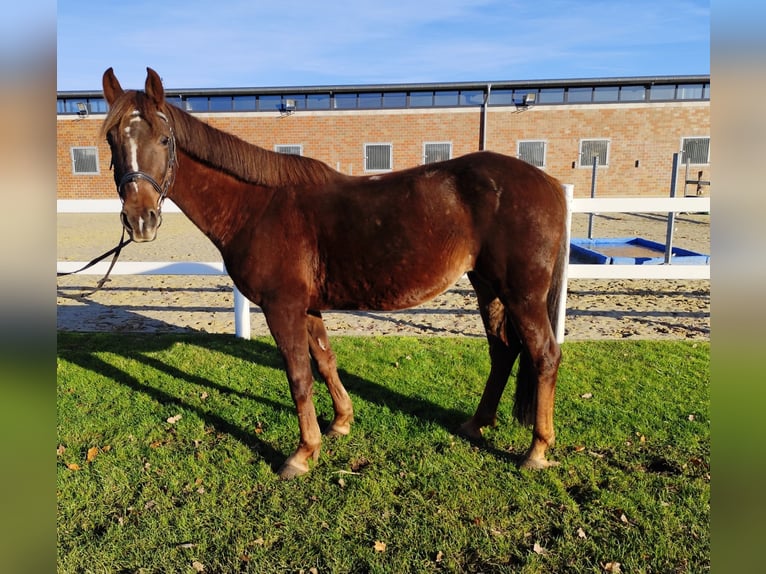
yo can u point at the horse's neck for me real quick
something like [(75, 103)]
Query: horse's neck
[(218, 204)]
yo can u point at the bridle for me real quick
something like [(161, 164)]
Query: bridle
[(167, 179)]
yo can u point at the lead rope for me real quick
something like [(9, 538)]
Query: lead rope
[(116, 250)]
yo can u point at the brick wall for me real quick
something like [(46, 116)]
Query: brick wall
[(647, 133)]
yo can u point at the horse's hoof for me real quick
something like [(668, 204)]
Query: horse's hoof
[(470, 431), (337, 431), (537, 464), (292, 470)]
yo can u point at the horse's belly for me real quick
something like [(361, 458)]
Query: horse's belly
[(390, 288)]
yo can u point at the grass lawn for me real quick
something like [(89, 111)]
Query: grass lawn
[(168, 445)]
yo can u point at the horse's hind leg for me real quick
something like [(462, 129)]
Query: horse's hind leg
[(320, 348), (504, 347), (536, 381)]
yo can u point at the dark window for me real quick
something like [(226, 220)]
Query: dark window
[(436, 151), (421, 99), (196, 104), (632, 94), (85, 160), (345, 101), (220, 104), (696, 150), (579, 95), (244, 103), (689, 92), (368, 101), (395, 99), (501, 98), (269, 103), (532, 152), (318, 102), (551, 96), (606, 94), (445, 98), (471, 97), (290, 149), (594, 148), (662, 92), (377, 157)]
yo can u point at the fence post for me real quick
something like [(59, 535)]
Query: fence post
[(672, 214), (241, 315), (592, 194), (561, 316)]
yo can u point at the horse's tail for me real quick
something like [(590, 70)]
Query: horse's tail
[(525, 401)]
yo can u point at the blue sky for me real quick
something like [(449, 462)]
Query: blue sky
[(246, 43)]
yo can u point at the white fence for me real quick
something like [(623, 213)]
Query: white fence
[(669, 205)]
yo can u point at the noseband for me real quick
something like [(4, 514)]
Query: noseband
[(167, 179)]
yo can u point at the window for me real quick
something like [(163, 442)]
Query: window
[(220, 104), (269, 103), (345, 101), (501, 98), (594, 148), (689, 92), (318, 101), (532, 152), (662, 92), (579, 95), (377, 157), (421, 99), (445, 98), (394, 99), (606, 93), (632, 93), (696, 150), (244, 103), (471, 97), (196, 104), (85, 160), (551, 96), (291, 149), (436, 151)]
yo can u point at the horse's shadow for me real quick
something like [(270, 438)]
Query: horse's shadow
[(142, 348)]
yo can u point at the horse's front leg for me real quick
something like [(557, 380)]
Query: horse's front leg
[(290, 331)]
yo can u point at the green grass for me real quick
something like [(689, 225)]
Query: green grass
[(633, 486)]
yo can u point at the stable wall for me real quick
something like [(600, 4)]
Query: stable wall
[(647, 133)]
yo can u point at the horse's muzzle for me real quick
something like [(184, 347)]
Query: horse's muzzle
[(142, 228)]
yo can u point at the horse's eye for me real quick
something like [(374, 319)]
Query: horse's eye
[(164, 140)]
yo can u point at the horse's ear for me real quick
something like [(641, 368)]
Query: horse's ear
[(112, 88), (154, 87)]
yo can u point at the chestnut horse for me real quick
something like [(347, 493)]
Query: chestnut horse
[(298, 237)]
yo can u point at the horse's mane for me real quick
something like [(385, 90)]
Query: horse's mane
[(222, 150)]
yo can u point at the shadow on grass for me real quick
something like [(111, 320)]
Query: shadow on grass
[(83, 350)]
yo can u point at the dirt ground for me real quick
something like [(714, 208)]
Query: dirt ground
[(596, 308)]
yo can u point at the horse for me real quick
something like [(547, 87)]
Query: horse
[(298, 238)]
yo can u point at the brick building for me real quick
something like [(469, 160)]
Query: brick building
[(633, 125)]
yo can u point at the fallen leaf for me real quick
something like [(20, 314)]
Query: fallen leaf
[(198, 566), (187, 545), (341, 483), (204, 395), (379, 546), (60, 449), (92, 453), (613, 567), (691, 417), (587, 396), (624, 519), (581, 533), (73, 466), (439, 556), (174, 419), (539, 549)]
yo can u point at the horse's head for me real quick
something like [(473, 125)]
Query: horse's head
[(141, 138)]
